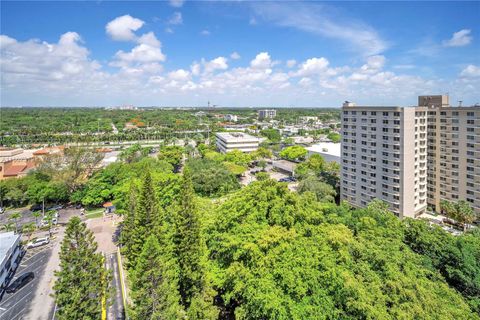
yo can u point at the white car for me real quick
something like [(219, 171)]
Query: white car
[(45, 222), (38, 242)]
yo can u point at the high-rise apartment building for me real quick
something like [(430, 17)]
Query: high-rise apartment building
[(454, 155), (384, 156), (411, 157), (267, 114)]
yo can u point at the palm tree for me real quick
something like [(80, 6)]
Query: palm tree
[(460, 211), (8, 226), (36, 215), (14, 217)]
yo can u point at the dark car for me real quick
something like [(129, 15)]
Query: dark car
[(36, 207), (20, 282)]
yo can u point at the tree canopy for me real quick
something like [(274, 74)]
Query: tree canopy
[(294, 153)]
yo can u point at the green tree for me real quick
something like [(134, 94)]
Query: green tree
[(82, 280), (261, 176), (154, 287), (262, 152), (322, 191), (171, 154), (145, 218), (36, 215), (460, 211), (272, 134), (334, 137), (8, 226), (238, 157), (188, 244), (211, 178), (294, 153), (15, 216)]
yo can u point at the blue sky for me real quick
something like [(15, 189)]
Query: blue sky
[(238, 53)]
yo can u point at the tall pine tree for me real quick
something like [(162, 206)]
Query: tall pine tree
[(128, 226), (146, 219), (82, 280), (188, 249), (154, 286)]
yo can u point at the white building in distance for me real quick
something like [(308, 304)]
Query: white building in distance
[(330, 151), (228, 141), (230, 117), (267, 114)]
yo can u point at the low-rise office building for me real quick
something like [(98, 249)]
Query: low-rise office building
[(330, 151), (228, 141), (10, 254)]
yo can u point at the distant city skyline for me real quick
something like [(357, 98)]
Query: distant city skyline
[(237, 54)]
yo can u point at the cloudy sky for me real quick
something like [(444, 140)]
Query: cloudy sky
[(239, 53)]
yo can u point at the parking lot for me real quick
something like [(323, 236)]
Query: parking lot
[(17, 305)]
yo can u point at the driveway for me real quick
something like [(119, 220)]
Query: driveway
[(105, 230)]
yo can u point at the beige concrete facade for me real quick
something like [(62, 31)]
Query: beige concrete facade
[(411, 157), (454, 155), (384, 157)]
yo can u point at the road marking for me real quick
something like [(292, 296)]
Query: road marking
[(122, 282), (20, 300), (3, 309)]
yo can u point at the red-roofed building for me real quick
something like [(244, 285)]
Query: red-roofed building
[(17, 162)]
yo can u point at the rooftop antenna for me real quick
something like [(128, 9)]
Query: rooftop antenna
[(460, 103)]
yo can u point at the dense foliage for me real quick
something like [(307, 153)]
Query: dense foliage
[(294, 153), (277, 255), (211, 178), (82, 281), (268, 253)]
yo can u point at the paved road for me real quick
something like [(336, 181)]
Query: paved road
[(116, 311), (42, 304), (16, 305)]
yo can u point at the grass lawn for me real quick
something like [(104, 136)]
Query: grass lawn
[(94, 213)]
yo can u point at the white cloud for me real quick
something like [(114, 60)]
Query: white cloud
[(195, 69), (471, 71), (374, 63), (316, 18), (149, 39), (291, 63), (205, 32), (219, 63), (145, 57), (121, 28), (313, 66), (459, 39), (179, 75), (235, 56), (176, 19), (176, 3), (261, 61), (63, 73)]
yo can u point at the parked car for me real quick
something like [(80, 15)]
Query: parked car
[(288, 179), (57, 207), (2, 210), (20, 282), (38, 242), (45, 221), (36, 207), (78, 206)]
